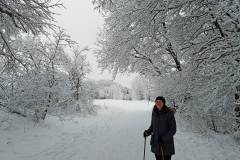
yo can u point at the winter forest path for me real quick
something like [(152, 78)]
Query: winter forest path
[(114, 134)]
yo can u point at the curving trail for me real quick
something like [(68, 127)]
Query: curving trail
[(114, 134)]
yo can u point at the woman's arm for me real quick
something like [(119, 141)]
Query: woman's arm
[(172, 123), (150, 129)]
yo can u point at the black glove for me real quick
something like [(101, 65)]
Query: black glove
[(146, 133)]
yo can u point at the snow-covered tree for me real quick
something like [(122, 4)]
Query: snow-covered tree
[(42, 84), (77, 73), (199, 38), (141, 88), (23, 16)]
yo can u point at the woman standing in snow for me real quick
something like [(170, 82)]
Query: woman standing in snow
[(162, 130)]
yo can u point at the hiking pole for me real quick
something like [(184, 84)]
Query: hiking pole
[(144, 148)]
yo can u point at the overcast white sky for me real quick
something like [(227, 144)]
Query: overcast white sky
[(83, 23)]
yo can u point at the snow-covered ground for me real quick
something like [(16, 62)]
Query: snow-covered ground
[(114, 134)]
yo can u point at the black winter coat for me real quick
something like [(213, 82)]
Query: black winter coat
[(162, 129)]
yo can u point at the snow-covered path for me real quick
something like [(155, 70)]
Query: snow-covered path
[(114, 134)]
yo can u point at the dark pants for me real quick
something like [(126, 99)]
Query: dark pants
[(159, 157)]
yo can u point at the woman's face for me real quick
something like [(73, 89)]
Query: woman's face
[(159, 104)]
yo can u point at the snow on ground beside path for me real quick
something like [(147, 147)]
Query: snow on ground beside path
[(114, 134)]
